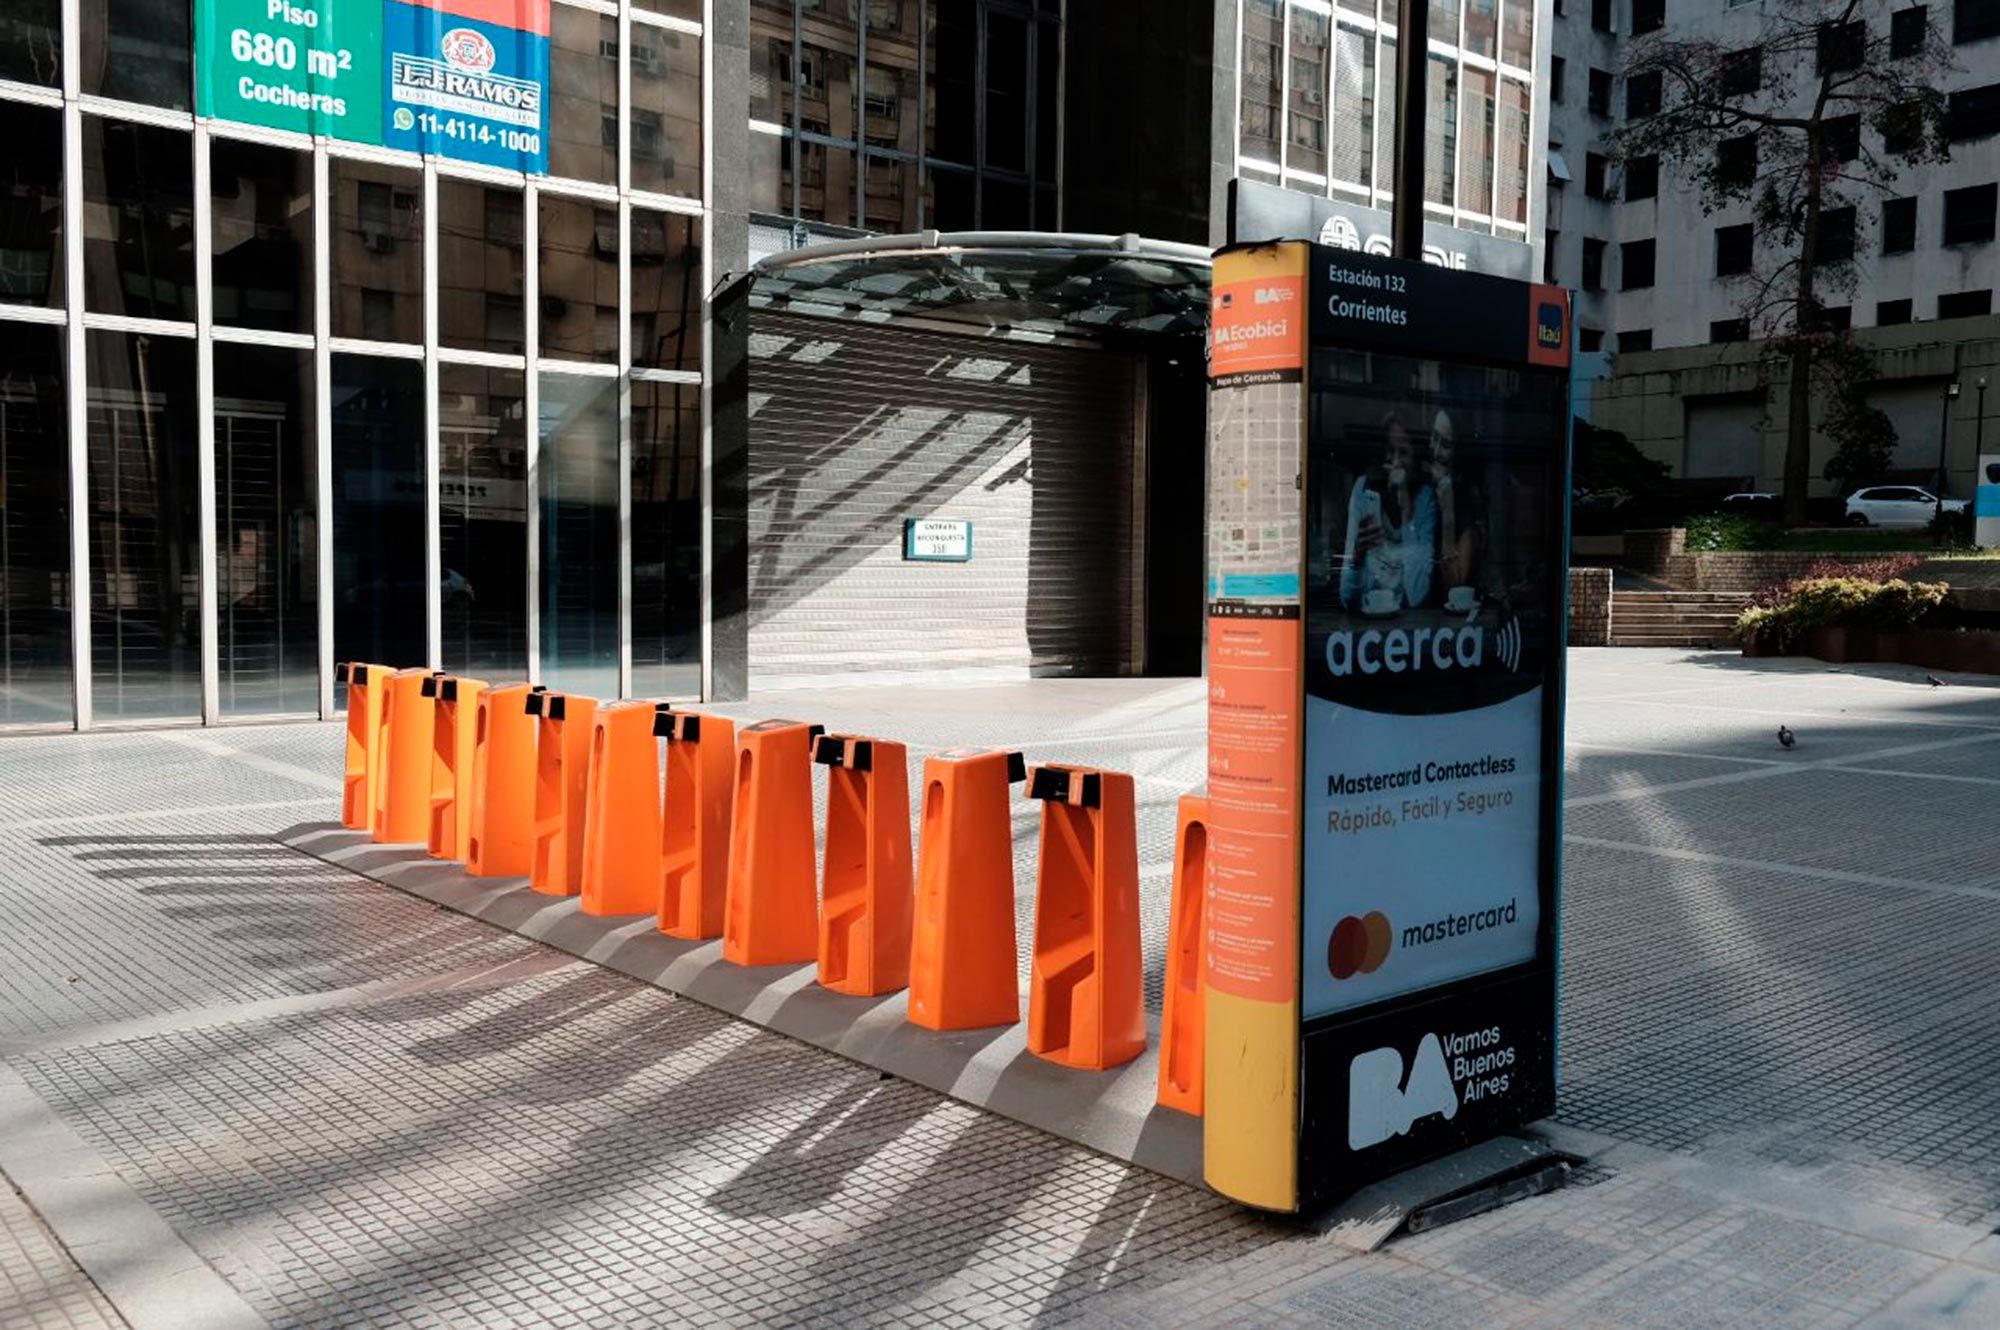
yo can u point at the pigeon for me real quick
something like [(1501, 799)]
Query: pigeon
[(1786, 738), (1933, 681)]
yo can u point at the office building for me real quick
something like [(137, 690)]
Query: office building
[(487, 335)]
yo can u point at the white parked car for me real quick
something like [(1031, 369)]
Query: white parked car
[(1896, 505)]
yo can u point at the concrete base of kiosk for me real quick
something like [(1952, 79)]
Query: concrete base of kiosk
[(1376, 1213), (1113, 1112)]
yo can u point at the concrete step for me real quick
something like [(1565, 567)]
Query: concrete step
[(1682, 597)]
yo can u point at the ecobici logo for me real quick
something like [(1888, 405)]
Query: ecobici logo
[(1401, 650), (1384, 1102)]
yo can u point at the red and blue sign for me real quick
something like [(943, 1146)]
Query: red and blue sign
[(468, 79)]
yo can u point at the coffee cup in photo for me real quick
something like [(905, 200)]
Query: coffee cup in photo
[(1461, 598)]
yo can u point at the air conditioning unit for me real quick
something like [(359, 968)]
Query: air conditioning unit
[(378, 242)]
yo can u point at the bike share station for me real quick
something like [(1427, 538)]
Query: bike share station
[(1388, 467), (1359, 996)]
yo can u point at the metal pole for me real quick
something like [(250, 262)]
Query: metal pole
[(1412, 90)]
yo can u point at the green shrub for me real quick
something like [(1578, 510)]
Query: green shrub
[(1712, 532), (1830, 602)]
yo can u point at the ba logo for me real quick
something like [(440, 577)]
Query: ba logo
[(466, 48), (1359, 946), (1549, 325), (1382, 1103)]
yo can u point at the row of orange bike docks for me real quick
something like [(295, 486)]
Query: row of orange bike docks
[(638, 809)]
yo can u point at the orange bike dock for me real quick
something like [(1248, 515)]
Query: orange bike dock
[(959, 978), (864, 921), (562, 790), (364, 739), (403, 768), (771, 913), (500, 841), (621, 828), (973, 858), (454, 736), (1085, 1006), (694, 821)]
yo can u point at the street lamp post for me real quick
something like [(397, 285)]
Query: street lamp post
[(1979, 421), (1944, 435)]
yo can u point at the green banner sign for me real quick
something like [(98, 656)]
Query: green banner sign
[(311, 66)]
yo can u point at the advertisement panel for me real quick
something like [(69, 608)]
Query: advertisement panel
[(467, 79), (1429, 617)]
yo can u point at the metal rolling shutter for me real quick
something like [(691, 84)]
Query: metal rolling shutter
[(855, 427)]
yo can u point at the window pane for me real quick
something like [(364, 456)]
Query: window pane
[(31, 267), (771, 173), (1482, 22), (578, 241), (891, 105), (483, 521), (666, 540), (145, 539), (378, 512), (687, 9), (1305, 128), (583, 102), (378, 253), (578, 471), (948, 200), (1353, 117), (266, 532), (1441, 131), (1048, 108), (1512, 166), (951, 57), (666, 290), (1006, 92), (666, 112), (889, 193), (771, 61), (1263, 50), (1475, 143), (34, 528), (1385, 116), (136, 50), (262, 233), (1003, 205), (826, 184), (829, 97), (31, 42), (138, 219), (481, 243)]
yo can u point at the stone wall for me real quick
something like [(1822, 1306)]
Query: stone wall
[(1589, 607)]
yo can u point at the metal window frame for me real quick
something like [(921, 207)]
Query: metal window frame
[(322, 345)]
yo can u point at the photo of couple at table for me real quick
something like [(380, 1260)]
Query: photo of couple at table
[(1420, 502)]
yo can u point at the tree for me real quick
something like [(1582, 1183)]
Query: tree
[(1806, 121), (1864, 438)]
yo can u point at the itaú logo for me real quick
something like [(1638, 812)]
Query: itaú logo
[(1400, 650)]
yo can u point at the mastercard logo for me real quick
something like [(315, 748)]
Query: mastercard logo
[(1358, 946)]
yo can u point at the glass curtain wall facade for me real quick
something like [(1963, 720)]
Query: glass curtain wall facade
[(1317, 104), (271, 400), (901, 115)]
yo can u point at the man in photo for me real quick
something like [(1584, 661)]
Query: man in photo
[(1392, 527)]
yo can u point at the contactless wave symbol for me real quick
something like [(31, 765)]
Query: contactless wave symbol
[(1507, 644)]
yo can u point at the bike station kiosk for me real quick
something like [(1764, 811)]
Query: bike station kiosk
[(1387, 568)]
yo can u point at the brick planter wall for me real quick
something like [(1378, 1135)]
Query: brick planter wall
[(1663, 555), (1589, 607)]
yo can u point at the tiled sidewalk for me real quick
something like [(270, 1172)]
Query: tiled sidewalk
[(355, 1109)]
